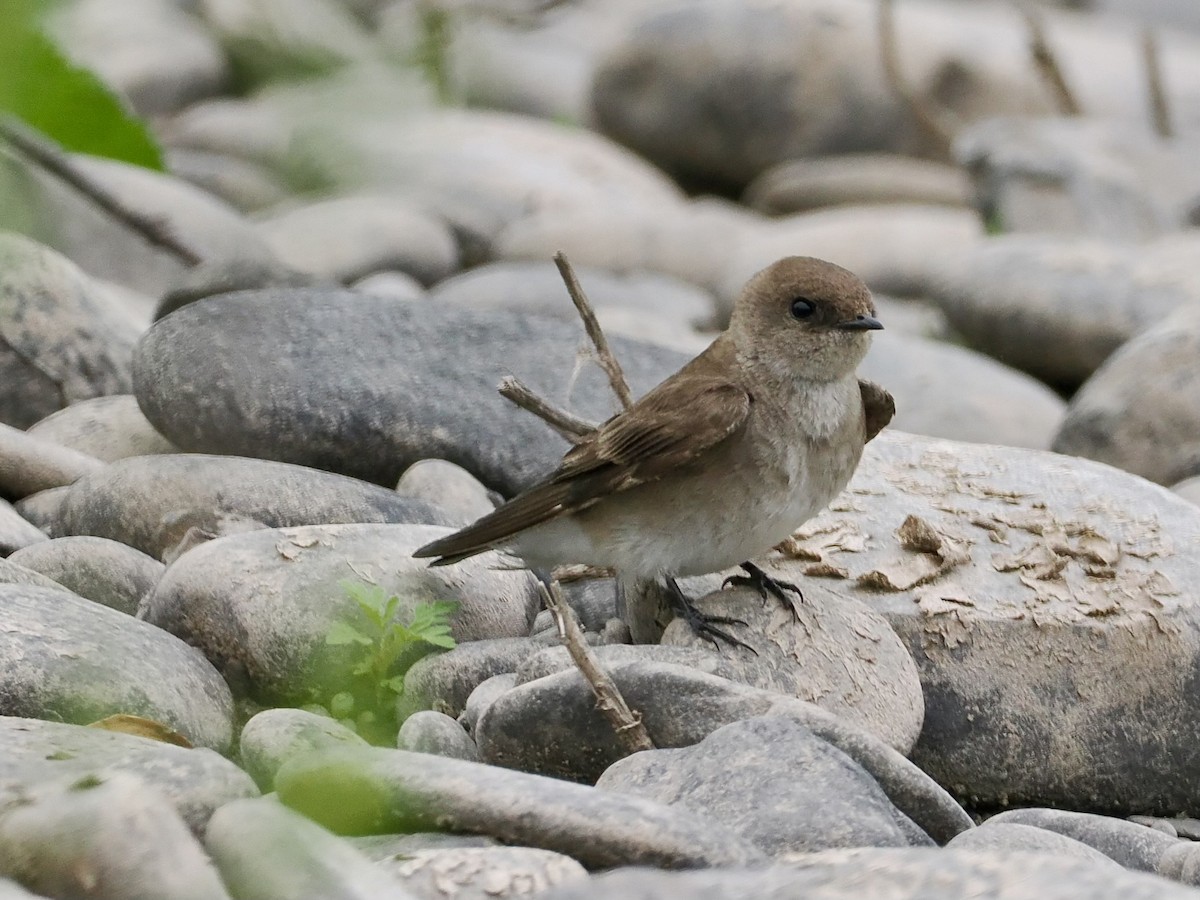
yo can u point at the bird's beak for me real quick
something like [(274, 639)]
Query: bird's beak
[(860, 323)]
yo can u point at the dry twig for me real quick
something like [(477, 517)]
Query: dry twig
[(607, 361), (927, 119), (1160, 110), (569, 425), (47, 156), (1047, 63), (625, 722)]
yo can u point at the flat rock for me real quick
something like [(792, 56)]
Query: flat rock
[(366, 386), (1057, 306), (195, 780), (107, 572), (773, 782), (551, 726), (152, 502), (1140, 411), (63, 336), (901, 874), (261, 604), (481, 873), (67, 658), (991, 563), (107, 428), (394, 790), (111, 838)]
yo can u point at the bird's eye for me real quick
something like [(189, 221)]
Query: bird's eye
[(802, 308)]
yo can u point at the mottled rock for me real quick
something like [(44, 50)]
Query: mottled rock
[(366, 386), (681, 706), (261, 604), (481, 873), (107, 428), (66, 658), (195, 780), (1058, 306), (800, 185), (152, 502), (394, 790), (29, 464), (111, 838), (274, 736), (449, 487), (433, 732), (443, 682), (15, 530), (63, 336), (773, 782), (1011, 836), (380, 847), (263, 850), (107, 572), (1140, 411), (349, 237)]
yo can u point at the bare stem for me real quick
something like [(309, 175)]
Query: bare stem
[(1047, 65), (926, 118), (625, 722), (569, 425), (1160, 110), (607, 360), (41, 152)]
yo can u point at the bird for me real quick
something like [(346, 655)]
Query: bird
[(721, 461)]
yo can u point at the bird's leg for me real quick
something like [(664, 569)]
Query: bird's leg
[(703, 625), (763, 583)]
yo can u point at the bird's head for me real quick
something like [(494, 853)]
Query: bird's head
[(806, 318)]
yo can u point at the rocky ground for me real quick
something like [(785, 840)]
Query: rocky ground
[(214, 470)]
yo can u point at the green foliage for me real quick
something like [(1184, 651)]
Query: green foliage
[(383, 649), (39, 86), (433, 51)]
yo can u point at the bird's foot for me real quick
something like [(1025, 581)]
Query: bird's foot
[(766, 585), (703, 625)]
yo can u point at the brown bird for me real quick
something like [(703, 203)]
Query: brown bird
[(720, 462)]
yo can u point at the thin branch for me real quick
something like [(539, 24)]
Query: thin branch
[(625, 722), (569, 425), (1047, 65), (607, 360), (49, 157), (1160, 109), (926, 118)]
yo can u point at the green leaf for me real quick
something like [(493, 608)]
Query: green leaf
[(364, 667), (341, 633), (395, 683), (39, 86), (440, 640), (389, 609)]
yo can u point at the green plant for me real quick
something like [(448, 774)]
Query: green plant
[(384, 649)]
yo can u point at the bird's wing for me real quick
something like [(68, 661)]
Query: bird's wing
[(878, 407), (666, 429)]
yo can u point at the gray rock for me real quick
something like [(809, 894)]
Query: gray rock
[(433, 732), (551, 726), (66, 658), (347, 238), (111, 837), (449, 487), (1189, 489), (415, 791), (274, 736), (1140, 411), (154, 54), (380, 847), (943, 390), (773, 782), (901, 874), (263, 850), (484, 694), (394, 285), (1012, 836), (63, 337), (366, 386), (107, 428), (41, 510), (800, 185), (11, 573), (227, 276), (1078, 176), (1058, 306), (195, 780), (244, 184), (107, 572), (481, 873), (15, 530), (152, 502), (29, 464), (261, 604), (989, 562)]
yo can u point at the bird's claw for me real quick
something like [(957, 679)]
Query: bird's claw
[(705, 626), (766, 586)]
